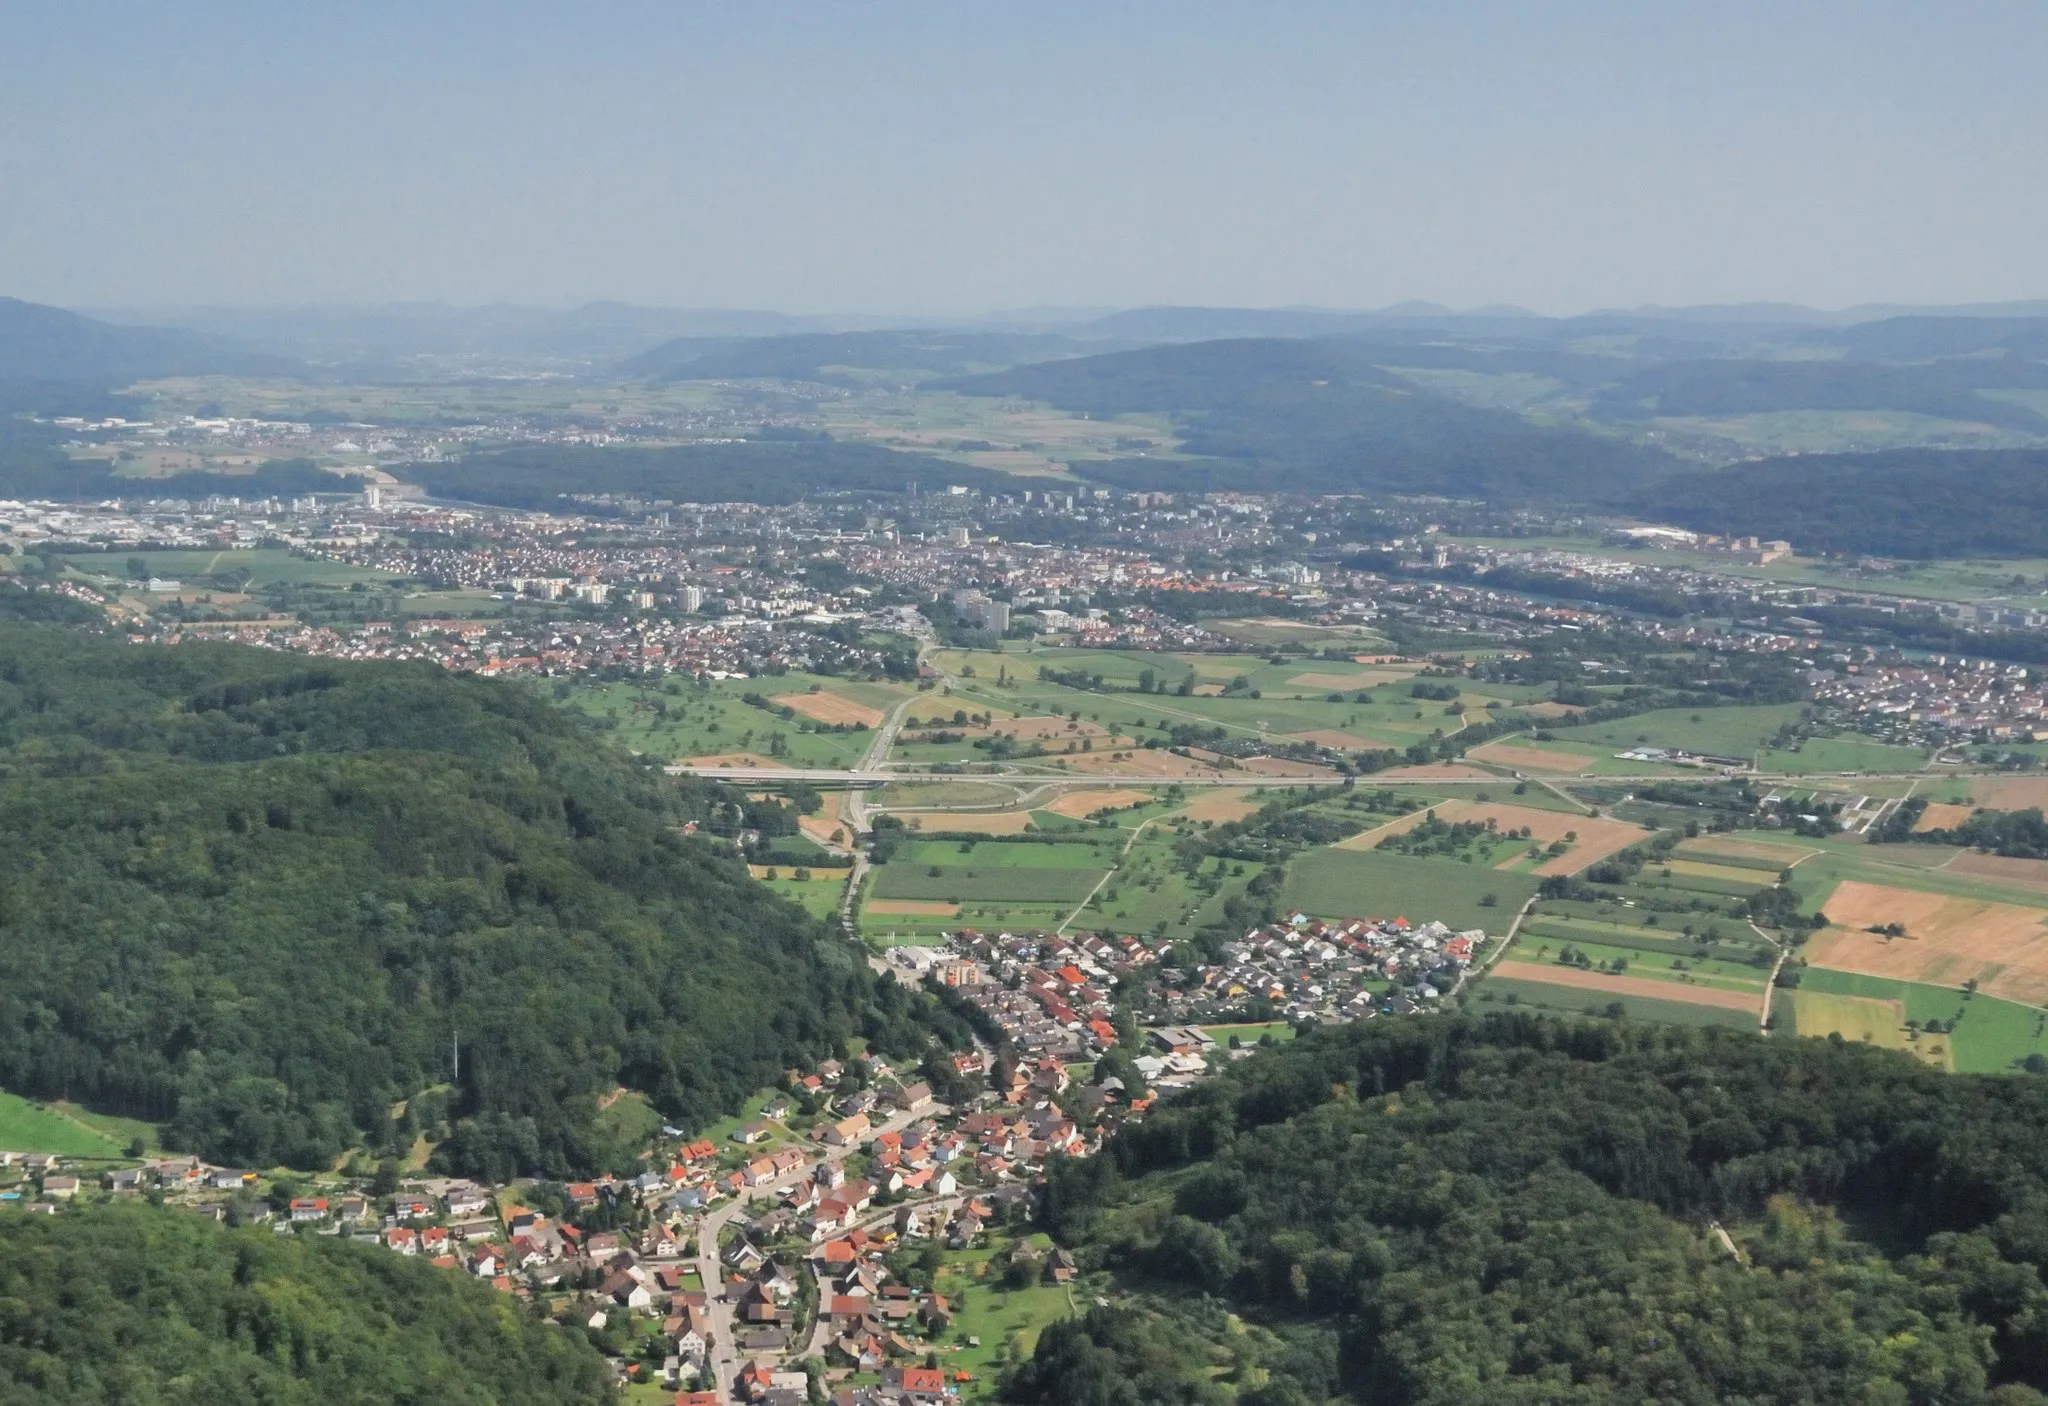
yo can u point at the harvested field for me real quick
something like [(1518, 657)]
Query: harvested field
[(2024, 873), (1529, 758), (742, 759), (991, 822), (1283, 766), (1141, 761), (1331, 737), (1942, 817), (1079, 805), (1547, 709), (1710, 847), (910, 907), (2001, 946), (1220, 806), (2009, 792), (830, 708), (822, 828), (1648, 988)]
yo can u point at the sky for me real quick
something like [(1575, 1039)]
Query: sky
[(952, 158)]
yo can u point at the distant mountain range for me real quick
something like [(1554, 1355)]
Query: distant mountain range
[(51, 345)]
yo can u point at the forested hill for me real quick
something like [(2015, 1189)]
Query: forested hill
[(1460, 1211), (1902, 502), (257, 897), (132, 1304), (1321, 416)]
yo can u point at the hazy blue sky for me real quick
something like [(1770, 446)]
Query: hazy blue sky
[(875, 156)]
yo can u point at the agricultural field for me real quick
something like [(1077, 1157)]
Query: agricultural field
[(1340, 883), (1721, 732), (936, 885), (1982, 1034), (709, 722), (1935, 939), (1498, 991), (1844, 754), (1627, 950)]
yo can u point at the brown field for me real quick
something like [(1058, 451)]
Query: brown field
[(1220, 806), (830, 708), (2002, 946), (2023, 873), (1330, 737), (907, 907), (1546, 709), (1709, 846), (1649, 988), (1283, 766), (1078, 805), (822, 828), (743, 759), (1942, 817), (2009, 792), (1139, 762), (994, 822), (1529, 758), (1326, 682)]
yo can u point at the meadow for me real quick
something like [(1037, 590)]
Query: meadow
[(1990, 1036), (1338, 883), (33, 1126), (681, 719)]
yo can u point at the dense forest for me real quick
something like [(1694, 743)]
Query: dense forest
[(1265, 415), (1902, 502), (258, 897), (1518, 1210), (761, 471), (33, 469), (119, 1306)]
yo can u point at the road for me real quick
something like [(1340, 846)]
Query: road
[(724, 1357)]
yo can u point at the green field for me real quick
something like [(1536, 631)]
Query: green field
[(1991, 1036), (819, 895), (988, 884), (1002, 1320), (27, 1126), (680, 719), (1844, 754), (1339, 883), (1727, 732), (1498, 992)]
